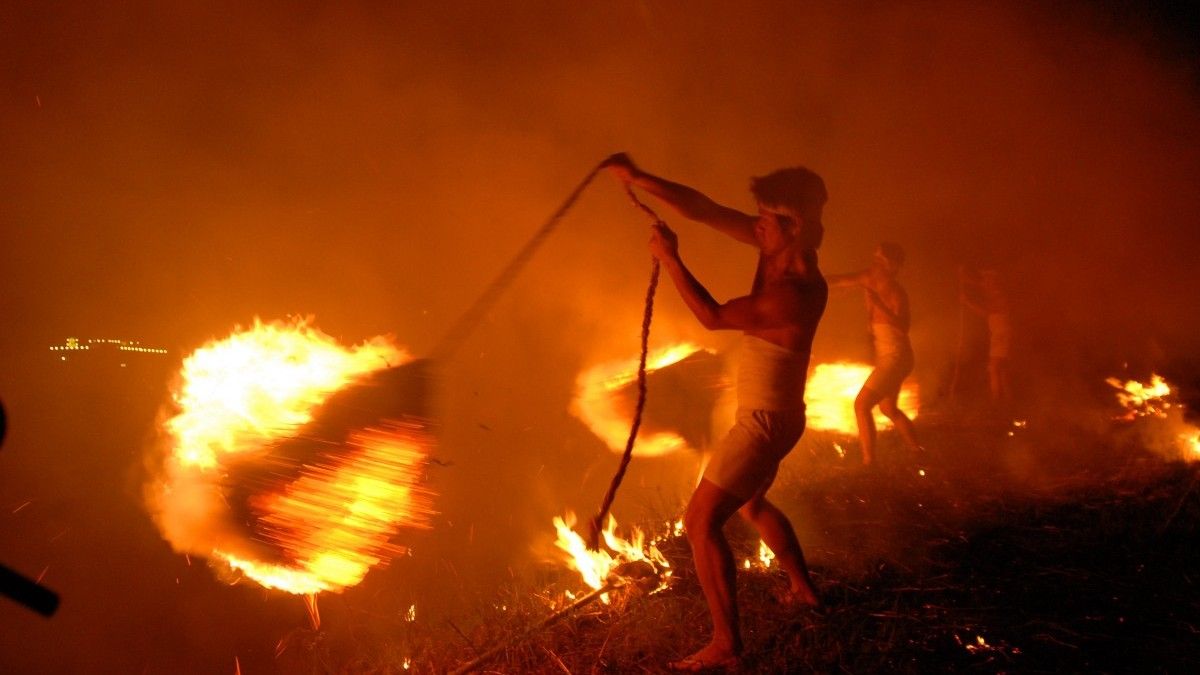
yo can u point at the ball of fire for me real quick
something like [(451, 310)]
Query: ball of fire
[(249, 472)]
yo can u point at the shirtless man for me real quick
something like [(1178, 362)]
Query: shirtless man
[(778, 319), (887, 313), (990, 300)]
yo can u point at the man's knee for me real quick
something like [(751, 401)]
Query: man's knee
[(752, 509), (889, 408), (866, 399), (698, 520)]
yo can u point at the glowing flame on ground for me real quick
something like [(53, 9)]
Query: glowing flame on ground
[(1191, 442), (830, 393), (597, 405), (764, 559), (1142, 399), (596, 566), (330, 524), (1154, 399)]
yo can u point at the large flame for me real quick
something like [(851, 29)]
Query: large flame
[(334, 520), (1149, 399), (596, 566), (598, 406), (831, 390), (1156, 400)]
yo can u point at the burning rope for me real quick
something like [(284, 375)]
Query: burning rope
[(597, 523)]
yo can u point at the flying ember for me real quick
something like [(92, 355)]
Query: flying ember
[(830, 393), (243, 478), (599, 401)]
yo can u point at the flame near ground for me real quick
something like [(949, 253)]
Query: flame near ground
[(334, 520)]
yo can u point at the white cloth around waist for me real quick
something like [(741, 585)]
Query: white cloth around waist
[(889, 340), (770, 377)]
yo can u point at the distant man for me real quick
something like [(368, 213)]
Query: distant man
[(778, 320), (888, 317), (991, 301)]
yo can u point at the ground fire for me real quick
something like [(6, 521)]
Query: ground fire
[(1156, 401), (596, 567), (244, 479)]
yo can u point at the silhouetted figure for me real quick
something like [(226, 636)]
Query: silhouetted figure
[(990, 300), (888, 317), (778, 319)]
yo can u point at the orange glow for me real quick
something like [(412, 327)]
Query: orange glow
[(597, 405), (830, 393), (332, 523), (1155, 400), (1142, 399), (1191, 442), (595, 566)]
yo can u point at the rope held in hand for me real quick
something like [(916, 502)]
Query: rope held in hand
[(597, 522), (458, 332)]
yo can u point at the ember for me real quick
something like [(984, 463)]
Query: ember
[(331, 517)]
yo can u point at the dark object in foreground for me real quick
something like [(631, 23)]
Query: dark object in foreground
[(25, 591), (28, 592)]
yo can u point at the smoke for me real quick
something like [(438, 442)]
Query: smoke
[(172, 171)]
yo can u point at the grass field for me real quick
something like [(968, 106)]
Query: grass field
[(1043, 550)]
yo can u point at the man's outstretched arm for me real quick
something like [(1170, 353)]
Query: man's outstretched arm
[(689, 202), (847, 280)]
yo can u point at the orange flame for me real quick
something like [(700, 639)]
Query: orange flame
[(324, 530), (830, 393), (1142, 399), (597, 406), (596, 566), (1154, 399)]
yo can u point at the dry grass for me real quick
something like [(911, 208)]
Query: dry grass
[(996, 560)]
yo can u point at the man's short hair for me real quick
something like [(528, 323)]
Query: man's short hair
[(893, 252), (800, 190)]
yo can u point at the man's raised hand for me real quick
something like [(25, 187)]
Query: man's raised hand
[(664, 244)]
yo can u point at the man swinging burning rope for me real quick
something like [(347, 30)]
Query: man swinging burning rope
[(779, 319)]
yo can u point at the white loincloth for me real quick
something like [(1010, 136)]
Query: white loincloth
[(770, 418), (893, 359)]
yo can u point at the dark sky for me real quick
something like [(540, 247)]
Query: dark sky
[(167, 172)]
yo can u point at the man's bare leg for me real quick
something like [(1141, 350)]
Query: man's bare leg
[(866, 400), (707, 512), (776, 530), (998, 379), (904, 425)]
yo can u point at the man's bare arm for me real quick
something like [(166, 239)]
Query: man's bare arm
[(770, 309), (689, 202), (847, 280)]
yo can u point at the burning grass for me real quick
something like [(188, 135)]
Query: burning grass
[(972, 566)]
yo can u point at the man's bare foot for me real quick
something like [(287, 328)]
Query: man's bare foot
[(800, 599), (711, 657)]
